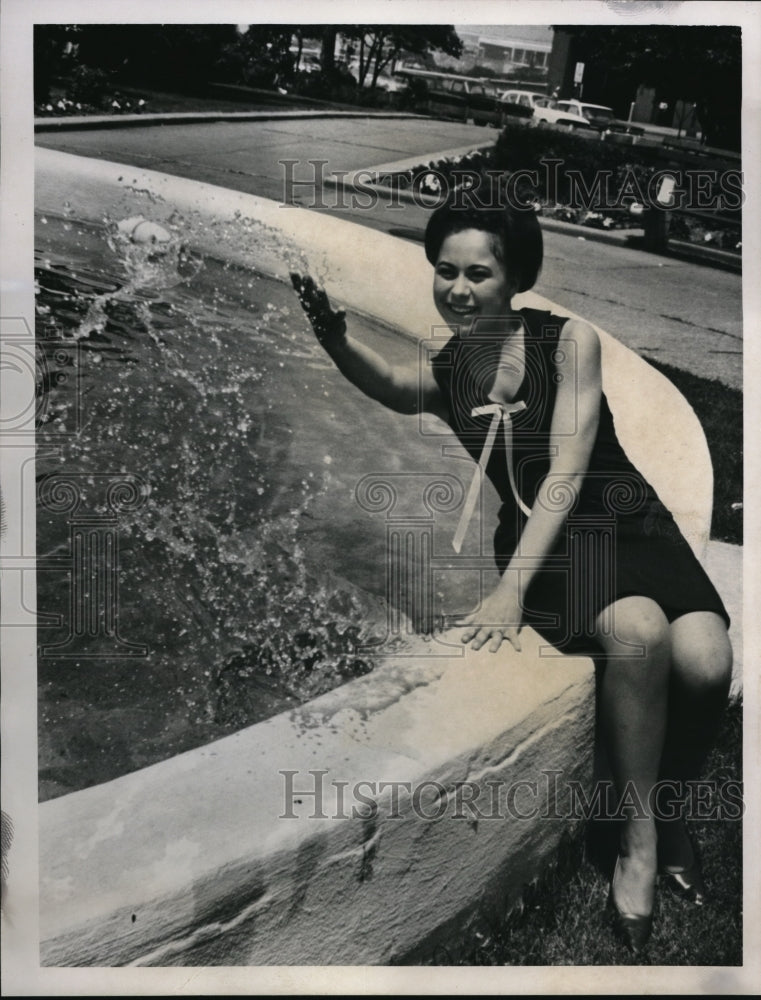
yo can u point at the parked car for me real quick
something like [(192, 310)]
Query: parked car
[(543, 109), (596, 115), (599, 116), (464, 99)]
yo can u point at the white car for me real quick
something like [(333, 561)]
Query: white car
[(544, 108), (587, 114)]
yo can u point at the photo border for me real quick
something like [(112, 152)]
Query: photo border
[(22, 974)]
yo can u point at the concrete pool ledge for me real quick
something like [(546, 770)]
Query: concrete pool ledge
[(220, 855), (212, 857)]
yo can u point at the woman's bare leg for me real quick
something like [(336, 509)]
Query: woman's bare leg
[(635, 639), (701, 671)]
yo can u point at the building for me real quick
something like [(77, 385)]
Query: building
[(520, 51), (573, 72)]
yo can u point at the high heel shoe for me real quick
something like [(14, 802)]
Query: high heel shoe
[(633, 929), (685, 881)]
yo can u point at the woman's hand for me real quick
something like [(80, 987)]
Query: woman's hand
[(499, 618), (329, 324), (402, 387)]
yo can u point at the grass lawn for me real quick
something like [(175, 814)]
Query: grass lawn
[(720, 411), (562, 922)]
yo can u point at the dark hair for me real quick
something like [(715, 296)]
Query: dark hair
[(518, 245)]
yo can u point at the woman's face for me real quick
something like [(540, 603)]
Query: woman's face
[(469, 282)]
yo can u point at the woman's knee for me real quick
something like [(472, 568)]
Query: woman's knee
[(701, 651), (634, 627)]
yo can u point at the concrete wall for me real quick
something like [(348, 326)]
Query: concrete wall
[(205, 859), (188, 862)]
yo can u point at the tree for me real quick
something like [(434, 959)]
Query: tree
[(380, 45), (260, 56), (166, 54), (328, 50), (696, 63), (53, 45)]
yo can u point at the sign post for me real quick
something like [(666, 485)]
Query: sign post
[(578, 76)]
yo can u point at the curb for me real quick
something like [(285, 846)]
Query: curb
[(352, 182), (397, 166), (627, 238), (77, 123), (631, 238)]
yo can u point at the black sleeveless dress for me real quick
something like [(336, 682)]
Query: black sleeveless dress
[(618, 540)]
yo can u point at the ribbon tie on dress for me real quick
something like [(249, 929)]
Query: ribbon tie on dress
[(500, 413)]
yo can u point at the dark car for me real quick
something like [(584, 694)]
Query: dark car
[(464, 99)]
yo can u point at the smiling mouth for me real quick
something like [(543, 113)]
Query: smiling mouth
[(461, 310)]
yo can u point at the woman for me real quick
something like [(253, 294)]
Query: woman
[(588, 554)]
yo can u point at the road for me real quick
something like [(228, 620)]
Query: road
[(684, 314)]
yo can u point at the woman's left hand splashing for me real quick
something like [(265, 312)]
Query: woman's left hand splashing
[(329, 324), (404, 387)]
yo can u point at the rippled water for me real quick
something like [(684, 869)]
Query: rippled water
[(198, 533)]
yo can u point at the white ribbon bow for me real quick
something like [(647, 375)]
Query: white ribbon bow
[(500, 413)]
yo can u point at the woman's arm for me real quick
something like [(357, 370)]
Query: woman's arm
[(573, 430), (403, 388)]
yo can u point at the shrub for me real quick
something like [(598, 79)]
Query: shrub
[(89, 86), (568, 165)]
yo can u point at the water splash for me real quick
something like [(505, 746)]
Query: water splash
[(195, 377)]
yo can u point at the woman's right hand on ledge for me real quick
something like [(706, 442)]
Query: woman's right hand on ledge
[(329, 324)]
